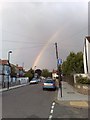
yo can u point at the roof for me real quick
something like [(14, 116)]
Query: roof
[(88, 38), (20, 68), (4, 62), (54, 71)]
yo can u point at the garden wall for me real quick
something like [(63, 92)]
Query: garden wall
[(82, 88)]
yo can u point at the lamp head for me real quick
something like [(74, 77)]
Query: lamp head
[(10, 51)]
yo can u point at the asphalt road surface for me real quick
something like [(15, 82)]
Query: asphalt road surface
[(27, 102), (63, 111)]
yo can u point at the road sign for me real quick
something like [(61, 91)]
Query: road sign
[(59, 61)]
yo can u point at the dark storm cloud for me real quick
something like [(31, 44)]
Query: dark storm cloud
[(28, 26)]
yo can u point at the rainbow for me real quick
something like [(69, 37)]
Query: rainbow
[(53, 37)]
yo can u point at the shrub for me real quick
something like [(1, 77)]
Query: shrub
[(82, 80)]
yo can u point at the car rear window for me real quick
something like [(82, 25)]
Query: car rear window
[(49, 81), (34, 79)]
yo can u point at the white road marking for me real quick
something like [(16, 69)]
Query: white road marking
[(53, 103), (52, 106), (51, 111), (50, 116)]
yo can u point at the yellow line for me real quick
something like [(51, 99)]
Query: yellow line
[(79, 103)]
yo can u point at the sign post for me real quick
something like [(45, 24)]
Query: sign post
[(59, 62)]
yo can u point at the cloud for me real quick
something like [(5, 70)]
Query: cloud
[(28, 27)]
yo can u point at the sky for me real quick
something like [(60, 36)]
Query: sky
[(30, 29)]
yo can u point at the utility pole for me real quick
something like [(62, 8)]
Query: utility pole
[(23, 64), (59, 70)]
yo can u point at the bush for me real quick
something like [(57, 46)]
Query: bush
[(82, 80)]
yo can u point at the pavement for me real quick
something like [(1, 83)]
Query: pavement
[(13, 87), (71, 97)]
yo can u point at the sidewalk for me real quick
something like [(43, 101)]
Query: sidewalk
[(71, 97), (13, 87)]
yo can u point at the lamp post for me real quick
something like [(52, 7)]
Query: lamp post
[(9, 67), (9, 56), (34, 70)]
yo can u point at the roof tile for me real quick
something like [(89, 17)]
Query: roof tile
[(3, 62)]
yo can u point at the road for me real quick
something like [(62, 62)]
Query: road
[(62, 111), (32, 102), (27, 102)]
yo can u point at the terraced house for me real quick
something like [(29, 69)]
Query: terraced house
[(4, 72)]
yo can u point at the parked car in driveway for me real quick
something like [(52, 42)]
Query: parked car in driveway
[(39, 80), (49, 84), (34, 80)]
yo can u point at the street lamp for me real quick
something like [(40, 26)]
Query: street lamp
[(9, 67), (9, 56), (35, 68)]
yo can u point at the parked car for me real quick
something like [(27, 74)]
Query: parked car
[(34, 80), (49, 78), (49, 84), (39, 80)]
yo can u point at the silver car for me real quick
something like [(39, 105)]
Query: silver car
[(34, 80)]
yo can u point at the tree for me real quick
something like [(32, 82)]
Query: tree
[(38, 71), (30, 74), (73, 64), (13, 71), (46, 73)]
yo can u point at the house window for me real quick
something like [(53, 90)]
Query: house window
[(6, 70)]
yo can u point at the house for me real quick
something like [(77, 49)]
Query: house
[(4, 67), (86, 55), (54, 74), (5, 70), (19, 71)]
